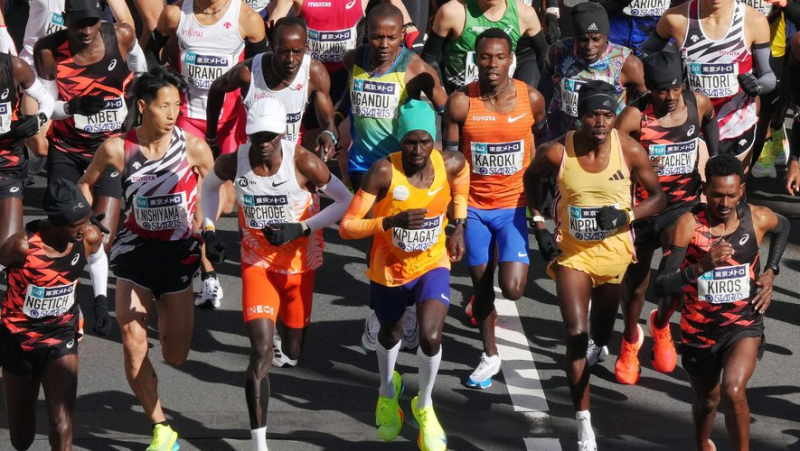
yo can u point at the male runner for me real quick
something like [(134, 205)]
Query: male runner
[(594, 168), (157, 251), (39, 328), (713, 258), (411, 192), (792, 179), (667, 122), (277, 186), (492, 121), (632, 21)]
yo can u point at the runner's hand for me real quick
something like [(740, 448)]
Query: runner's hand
[(609, 218), (793, 177), (762, 300), (102, 320), (717, 256), (215, 250), (86, 105), (749, 84), (280, 234), (326, 148), (553, 31), (656, 163), (6, 43), (456, 246), (25, 127), (409, 219), (547, 244)]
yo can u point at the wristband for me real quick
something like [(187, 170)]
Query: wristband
[(212, 142), (335, 141), (629, 212), (209, 228), (461, 221), (41, 118), (554, 11), (338, 113), (306, 228), (408, 25)]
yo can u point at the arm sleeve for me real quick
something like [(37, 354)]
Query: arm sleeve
[(711, 133), (460, 190), (432, 50), (39, 93), (612, 6), (766, 77), (341, 200), (671, 278), (777, 244), (58, 110), (98, 270), (353, 225), (154, 45), (209, 202), (252, 49), (137, 63), (654, 43)]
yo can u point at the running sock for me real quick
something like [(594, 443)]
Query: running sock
[(585, 431), (162, 423), (206, 275), (428, 369), (386, 361), (259, 437), (98, 271)]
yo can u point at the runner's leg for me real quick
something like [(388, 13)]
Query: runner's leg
[(176, 325), (605, 304), (574, 288), (21, 395), (738, 364), (11, 212), (60, 383), (256, 388), (704, 408)]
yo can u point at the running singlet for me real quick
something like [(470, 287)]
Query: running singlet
[(45, 18), (13, 158), (459, 53), (40, 308), (678, 148), (375, 102), (718, 303), (498, 148), (160, 195), (400, 255), (276, 199), (713, 68), (205, 53), (631, 26), (108, 78), (331, 29), (257, 5), (580, 195), (571, 73), (293, 97)]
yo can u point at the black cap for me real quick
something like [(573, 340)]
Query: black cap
[(590, 17), (662, 70), (83, 9), (64, 203), (597, 95)]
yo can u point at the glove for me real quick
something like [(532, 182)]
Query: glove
[(280, 234), (25, 127), (86, 105), (547, 244), (749, 84), (6, 43), (411, 36), (609, 218), (215, 250), (553, 31), (102, 320)]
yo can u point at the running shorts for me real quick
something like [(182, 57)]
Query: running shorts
[(71, 166), (267, 294), (600, 273), (231, 133), (648, 230), (390, 302), (31, 363), (707, 362), (740, 144), (11, 188), (503, 228)]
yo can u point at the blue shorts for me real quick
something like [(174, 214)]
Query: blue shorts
[(630, 31), (505, 227), (390, 302)]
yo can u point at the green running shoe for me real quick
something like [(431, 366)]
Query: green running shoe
[(388, 414), (764, 167), (780, 146), (431, 435), (164, 439)]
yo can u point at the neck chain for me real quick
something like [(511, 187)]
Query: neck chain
[(722, 12), (383, 66), (210, 12), (491, 96)]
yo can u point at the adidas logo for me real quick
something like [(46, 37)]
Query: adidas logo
[(592, 27), (607, 103), (617, 176)]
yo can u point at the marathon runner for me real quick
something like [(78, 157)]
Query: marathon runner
[(792, 179), (632, 21), (713, 258), (411, 192), (594, 167), (492, 121), (277, 187)]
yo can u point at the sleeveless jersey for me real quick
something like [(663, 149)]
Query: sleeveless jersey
[(40, 308), (331, 29), (108, 78), (160, 195), (44, 18), (570, 74), (294, 97), (580, 195), (400, 255), (205, 53), (375, 100), (678, 148), (713, 68), (274, 200), (13, 158), (718, 303), (459, 53), (498, 147)]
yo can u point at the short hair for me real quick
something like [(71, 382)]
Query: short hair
[(384, 11), (724, 165), (493, 33), (147, 85), (289, 21)]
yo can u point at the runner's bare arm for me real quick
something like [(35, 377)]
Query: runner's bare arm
[(14, 251), (455, 114), (423, 78), (529, 24), (26, 78), (199, 155), (632, 76), (320, 89), (254, 32), (92, 240), (449, 20), (642, 172), (629, 122), (238, 77), (129, 48), (540, 129), (708, 123), (278, 9), (110, 153), (547, 161), (166, 26), (672, 25), (121, 12)]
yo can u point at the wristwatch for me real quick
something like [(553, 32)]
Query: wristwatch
[(775, 269), (461, 221), (532, 221)]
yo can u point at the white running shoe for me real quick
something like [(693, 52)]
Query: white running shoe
[(410, 339), (369, 339), (595, 354), (210, 294), (279, 359), (482, 376), (587, 445)]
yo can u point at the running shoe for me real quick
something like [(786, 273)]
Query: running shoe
[(482, 376), (369, 339), (595, 354), (210, 294), (80, 324), (410, 338), (164, 439), (627, 367), (764, 167), (472, 321), (780, 146), (279, 359), (431, 435), (388, 414), (587, 445), (664, 358)]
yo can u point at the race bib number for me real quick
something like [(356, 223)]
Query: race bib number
[(263, 210), (201, 70), (43, 302), (329, 46), (716, 80), (420, 239), (471, 69), (108, 120), (583, 224), (677, 158), (5, 117), (497, 158), (762, 6), (646, 8), (723, 285), (54, 22), (257, 5), (293, 127), (569, 95), (375, 99), (156, 213)]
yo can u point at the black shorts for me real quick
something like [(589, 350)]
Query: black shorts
[(71, 166), (163, 267), (11, 187), (31, 363), (648, 230), (357, 180), (707, 362), (740, 144)]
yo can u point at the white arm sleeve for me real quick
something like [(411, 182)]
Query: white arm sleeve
[(58, 111), (341, 200), (98, 270), (209, 202), (137, 63), (39, 93)]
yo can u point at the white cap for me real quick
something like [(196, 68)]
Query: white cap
[(266, 115)]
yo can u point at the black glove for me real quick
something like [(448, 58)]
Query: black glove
[(215, 250), (609, 218), (102, 320), (749, 84), (24, 127), (553, 32), (86, 105), (280, 234), (547, 244)]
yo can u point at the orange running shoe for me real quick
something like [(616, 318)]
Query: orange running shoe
[(664, 358), (627, 368), (468, 311)]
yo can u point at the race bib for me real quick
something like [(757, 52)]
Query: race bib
[(329, 46), (471, 69), (569, 95), (156, 213), (762, 6), (583, 224), (716, 80), (375, 99), (263, 210), (5, 117), (646, 8), (257, 5), (293, 127), (108, 120), (201, 70), (723, 285), (54, 22), (677, 158), (420, 239), (43, 302), (497, 158)]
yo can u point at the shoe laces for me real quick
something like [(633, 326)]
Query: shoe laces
[(662, 335), (484, 364)]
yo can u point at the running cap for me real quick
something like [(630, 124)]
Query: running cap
[(65, 204), (596, 95), (83, 9), (416, 115), (590, 17), (662, 70), (266, 115)]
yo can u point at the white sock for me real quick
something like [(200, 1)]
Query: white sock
[(259, 437), (98, 270), (585, 431), (428, 369), (386, 361)]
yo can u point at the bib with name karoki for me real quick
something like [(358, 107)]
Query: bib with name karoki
[(497, 158)]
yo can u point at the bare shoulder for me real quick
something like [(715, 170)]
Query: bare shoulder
[(125, 34), (453, 161)]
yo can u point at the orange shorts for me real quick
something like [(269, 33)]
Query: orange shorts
[(266, 294), (231, 133)]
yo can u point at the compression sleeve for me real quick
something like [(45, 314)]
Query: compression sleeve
[(137, 63), (40, 94), (711, 133), (252, 49), (154, 45), (98, 270), (432, 50), (671, 278), (777, 244), (209, 201), (654, 43), (58, 110), (766, 77), (460, 190), (353, 225), (612, 6), (341, 200), (794, 82)]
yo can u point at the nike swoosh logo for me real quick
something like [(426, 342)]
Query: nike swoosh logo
[(445, 297), (275, 185), (516, 118), (433, 193), (521, 254)]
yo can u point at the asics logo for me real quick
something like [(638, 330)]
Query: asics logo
[(70, 344), (75, 259), (690, 132), (114, 174), (445, 297), (433, 193), (744, 239), (5, 94), (516, 118), (112, 65), (14, 189), (350, 4)]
